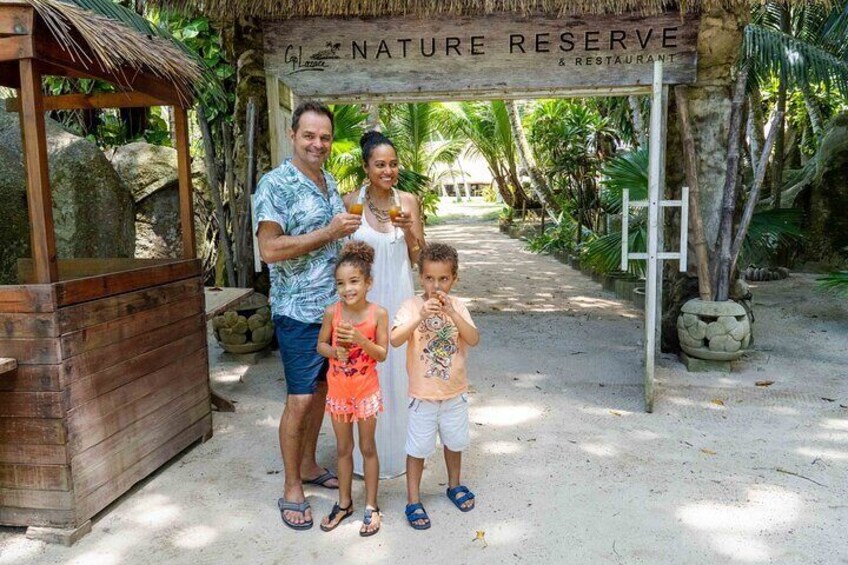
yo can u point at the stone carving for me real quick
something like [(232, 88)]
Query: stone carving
[(717, 331), (244, 331)]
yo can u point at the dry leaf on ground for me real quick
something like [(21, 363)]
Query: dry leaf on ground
[(764, 383), (718, 401), (481, 536), (706, 451)]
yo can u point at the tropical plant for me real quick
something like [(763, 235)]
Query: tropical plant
[(568, 139), (836, 281), (804, 47), (487, 127), (626, 171)]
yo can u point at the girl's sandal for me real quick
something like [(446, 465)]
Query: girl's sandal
[(332, 523), (369, 513)]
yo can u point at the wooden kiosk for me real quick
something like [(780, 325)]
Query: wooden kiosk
[(104, 375)]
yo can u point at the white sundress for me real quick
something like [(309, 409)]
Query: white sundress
[(392, 284)]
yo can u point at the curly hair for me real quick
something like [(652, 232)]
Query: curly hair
[(439, 253), (357, 254)]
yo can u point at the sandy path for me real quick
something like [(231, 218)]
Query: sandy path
[(566, 465)]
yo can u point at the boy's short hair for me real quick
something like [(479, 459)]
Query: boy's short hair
[(439, 253), (314, 107)]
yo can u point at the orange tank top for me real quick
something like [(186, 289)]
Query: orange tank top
[(359, 364)]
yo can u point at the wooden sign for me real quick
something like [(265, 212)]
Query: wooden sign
[(349, 57)]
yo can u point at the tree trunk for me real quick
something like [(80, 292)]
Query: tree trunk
[(779, 151), (728, 208), (213, 174), (753, 196), (690, 160), (813, 112), (528, 161), (638, 121)]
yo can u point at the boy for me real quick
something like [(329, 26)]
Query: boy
[(438, 330)]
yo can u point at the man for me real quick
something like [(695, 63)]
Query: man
[(300, 219)]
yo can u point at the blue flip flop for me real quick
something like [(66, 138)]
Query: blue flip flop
[(301, 507), (466, 496), (322, 480), (415, 512)]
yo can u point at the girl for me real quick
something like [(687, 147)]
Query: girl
[(354, 337)]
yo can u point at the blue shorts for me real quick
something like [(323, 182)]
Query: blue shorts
[(302, 364)]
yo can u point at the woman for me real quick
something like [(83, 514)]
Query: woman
[(397, 243)]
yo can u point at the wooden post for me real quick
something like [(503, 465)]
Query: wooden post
[(39, 199), (184, 173), (653, 276)]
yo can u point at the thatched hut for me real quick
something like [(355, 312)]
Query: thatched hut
[(104, 373)]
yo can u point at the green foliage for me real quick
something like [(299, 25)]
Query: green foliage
[(769, 231), (196, 35), (559, 237), (836, 282), (624, 171), (810, 49), (486, 126)]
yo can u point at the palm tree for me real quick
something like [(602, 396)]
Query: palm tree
[(528, 161), (487, 127), (802, 45)]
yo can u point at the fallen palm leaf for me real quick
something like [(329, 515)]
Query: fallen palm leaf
[(706, 451), (718, 401), (615, 413), (764, 383)]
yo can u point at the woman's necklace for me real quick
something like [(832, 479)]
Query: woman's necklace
[(379, 213)]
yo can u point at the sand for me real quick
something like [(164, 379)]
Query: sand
[(567, 466)]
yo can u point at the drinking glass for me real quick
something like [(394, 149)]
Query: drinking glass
[(395, 210)]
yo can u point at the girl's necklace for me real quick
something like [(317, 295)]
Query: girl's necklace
[(381, 215)]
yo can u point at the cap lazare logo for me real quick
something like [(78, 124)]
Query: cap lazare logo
[(616, 41)]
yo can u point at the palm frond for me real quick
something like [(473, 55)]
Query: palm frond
[(771, 51), (837, 282), (625, 171)]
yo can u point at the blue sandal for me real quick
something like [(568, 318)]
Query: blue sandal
[(415, 512), (466, 496), (369, 514), (301, 507)]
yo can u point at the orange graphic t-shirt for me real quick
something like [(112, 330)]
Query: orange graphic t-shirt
[(435, 354)]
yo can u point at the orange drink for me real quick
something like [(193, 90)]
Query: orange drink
[(394, 212), (356, 208)]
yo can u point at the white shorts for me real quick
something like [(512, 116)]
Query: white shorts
[(447, 417)]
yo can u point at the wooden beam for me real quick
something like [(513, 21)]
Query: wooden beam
[(39, 199), (184, 174), (93, 101), (505, 94), (16, 20), (15, 47)]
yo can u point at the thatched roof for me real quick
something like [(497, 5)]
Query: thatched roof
[(276, 9), (101, 35)]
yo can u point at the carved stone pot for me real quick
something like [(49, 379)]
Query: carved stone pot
[(247, 329), (716, 331)]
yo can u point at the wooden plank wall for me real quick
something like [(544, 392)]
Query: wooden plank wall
[(107, 389)]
